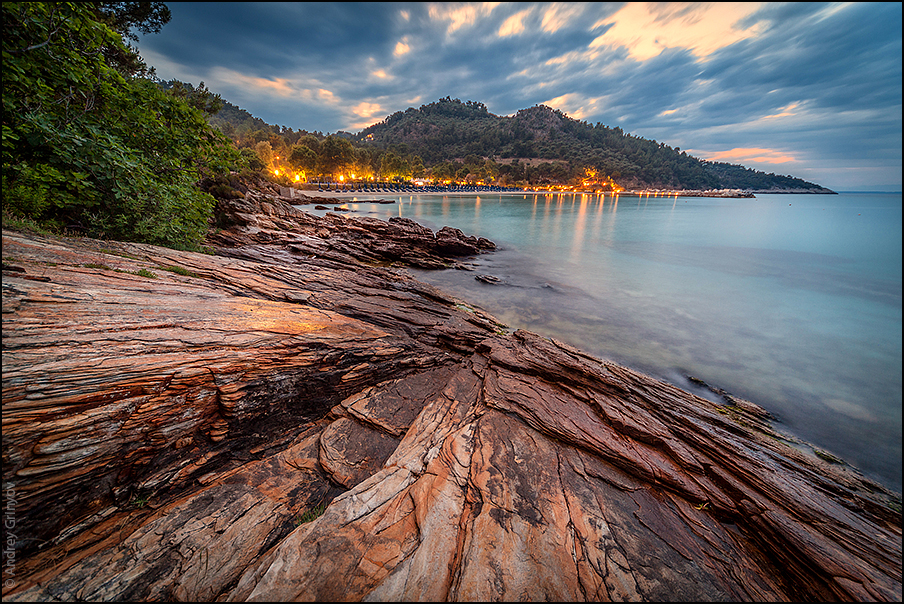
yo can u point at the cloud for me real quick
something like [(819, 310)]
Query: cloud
[(739, 155), (648, 28), (575, 105), (786, 111), (513, 25), (279, 86), (460, 16), (401, 48), (562, 15), (365, 109)]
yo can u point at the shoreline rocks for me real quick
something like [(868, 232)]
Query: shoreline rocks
[(297, 417), (261, 219)]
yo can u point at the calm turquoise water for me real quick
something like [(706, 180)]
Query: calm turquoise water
[(790, 301)]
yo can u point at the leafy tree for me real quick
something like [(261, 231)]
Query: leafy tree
[(336, 155), (303, 159), (264, 152), (251, 159), (90, 142), (122, 17), (417, 167)]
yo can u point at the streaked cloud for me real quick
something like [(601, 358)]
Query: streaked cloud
[(459, 16), (740, 155), (786, 111), (513, 25), (575, 105), (561, 15), (648, 28), (279, 86)]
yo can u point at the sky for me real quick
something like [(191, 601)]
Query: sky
[(808, 89)]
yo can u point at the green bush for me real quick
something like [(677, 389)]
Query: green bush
[(90, 141)]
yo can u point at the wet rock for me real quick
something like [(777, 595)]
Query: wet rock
[(487, 279), (177, 438)]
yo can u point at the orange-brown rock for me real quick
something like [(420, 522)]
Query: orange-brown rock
[(269, 425), (259, 218)]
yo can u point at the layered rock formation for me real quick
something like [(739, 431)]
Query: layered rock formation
[(259, 218), (282, 422)]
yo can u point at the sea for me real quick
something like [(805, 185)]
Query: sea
[(792, 302)]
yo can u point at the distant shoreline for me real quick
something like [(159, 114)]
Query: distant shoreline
[(314, 196)]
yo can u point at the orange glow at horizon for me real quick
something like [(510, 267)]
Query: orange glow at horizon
[(756, 154)]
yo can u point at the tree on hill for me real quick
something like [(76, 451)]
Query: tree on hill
[(90, 141)]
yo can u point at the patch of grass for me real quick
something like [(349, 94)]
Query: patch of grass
[(826, 456), (140, 273), (178, 270), (144, 273), (895, 505), (104, 250), (311, 514), (19, 223)]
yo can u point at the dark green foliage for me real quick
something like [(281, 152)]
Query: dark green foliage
[(179, 270), (448, 130), (146, 17), (89, 142), (745, 178)]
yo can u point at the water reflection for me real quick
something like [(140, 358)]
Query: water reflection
[(578, 237), (798, 309)]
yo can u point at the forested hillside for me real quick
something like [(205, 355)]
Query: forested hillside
[(449, 129), (455, 141)]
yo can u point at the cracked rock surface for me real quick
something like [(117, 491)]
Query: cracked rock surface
[(269, 425)]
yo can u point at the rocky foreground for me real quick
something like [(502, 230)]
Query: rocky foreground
[(296, 418)]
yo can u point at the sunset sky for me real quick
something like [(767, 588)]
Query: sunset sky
[(808, 89)]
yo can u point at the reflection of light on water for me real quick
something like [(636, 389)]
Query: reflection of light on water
[(578, 239), (599, 219)]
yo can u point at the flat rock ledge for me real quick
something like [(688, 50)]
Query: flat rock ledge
[(289, 423)]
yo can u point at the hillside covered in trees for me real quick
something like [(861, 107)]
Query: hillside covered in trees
[(451, 140), (449, 128)]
